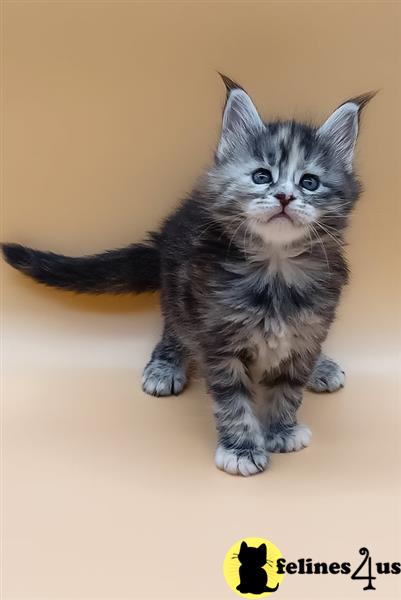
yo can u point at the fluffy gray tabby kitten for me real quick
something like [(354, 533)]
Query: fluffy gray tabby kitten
[(250, 269)]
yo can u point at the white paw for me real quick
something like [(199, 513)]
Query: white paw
[(328, 383), (335, 382), (161, 378), (289, 441), (230, 462), (327, 376)]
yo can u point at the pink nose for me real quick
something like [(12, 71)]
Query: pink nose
[(284, 200)]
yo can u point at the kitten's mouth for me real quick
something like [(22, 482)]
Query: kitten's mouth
[(280, 215)]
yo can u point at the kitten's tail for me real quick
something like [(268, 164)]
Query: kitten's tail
[(135, 268), (268, 589)]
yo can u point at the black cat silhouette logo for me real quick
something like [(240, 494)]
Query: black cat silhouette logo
[(250, 568), (253, 577)]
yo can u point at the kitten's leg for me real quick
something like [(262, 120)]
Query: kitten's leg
[(284, 392), (326, 376), (241, 445), (166, 372)]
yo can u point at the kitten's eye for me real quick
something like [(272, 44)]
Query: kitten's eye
[(309, 182), (262, 176)]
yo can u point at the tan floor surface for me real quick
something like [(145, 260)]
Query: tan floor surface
[(111, 111)]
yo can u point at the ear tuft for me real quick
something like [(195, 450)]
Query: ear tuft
[(362, 100), (230, 83), (341, 128), (240, 120)]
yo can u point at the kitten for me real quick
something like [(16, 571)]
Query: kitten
[(253, 577), (250, 269)]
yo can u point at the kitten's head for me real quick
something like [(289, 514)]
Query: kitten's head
[(284, 180), (253, 556)]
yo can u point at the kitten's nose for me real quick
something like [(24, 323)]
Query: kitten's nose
[(284, 199)]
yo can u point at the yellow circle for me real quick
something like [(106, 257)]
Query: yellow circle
[(254, 555)]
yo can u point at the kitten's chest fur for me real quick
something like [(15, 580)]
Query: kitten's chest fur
[(267, 352), (276, 305)]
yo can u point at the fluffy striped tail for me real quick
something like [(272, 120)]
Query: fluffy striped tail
[(133, 269)]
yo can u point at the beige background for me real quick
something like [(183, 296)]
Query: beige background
[(111, 110)]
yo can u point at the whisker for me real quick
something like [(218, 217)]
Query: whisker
[(310, 240), (329, 226), (315, 232), (242, 223), (245, 234), (335, 231), (333, 237)]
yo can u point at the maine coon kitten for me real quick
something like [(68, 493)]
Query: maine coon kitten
[(250, 269)]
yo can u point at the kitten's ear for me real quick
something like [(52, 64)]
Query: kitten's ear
[(263, 550), (244, 546), (341, 128), (240, 118)]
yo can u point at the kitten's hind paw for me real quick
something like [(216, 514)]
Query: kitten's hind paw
[(238, 463), (327, 376), (162, 378), (289, 439)]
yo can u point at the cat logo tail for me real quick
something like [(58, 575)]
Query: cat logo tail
[(272, 589)]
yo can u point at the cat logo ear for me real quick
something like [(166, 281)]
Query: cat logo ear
[(263, 549), (244, 546)]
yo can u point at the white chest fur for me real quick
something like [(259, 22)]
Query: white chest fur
[(270, 348), (277, 340)]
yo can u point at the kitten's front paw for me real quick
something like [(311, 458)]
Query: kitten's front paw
[(289, 440), (161, 378), (327, 376), (238, 463)]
